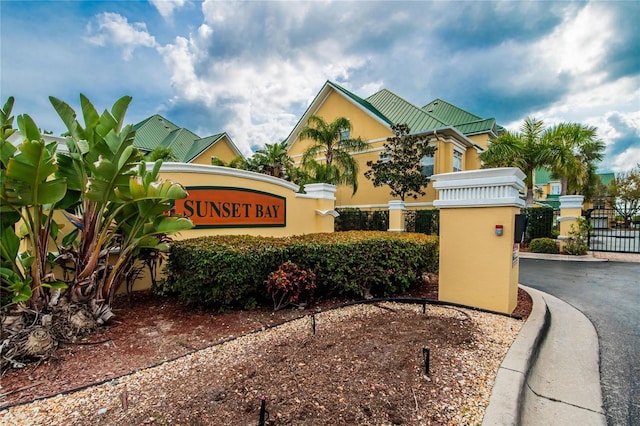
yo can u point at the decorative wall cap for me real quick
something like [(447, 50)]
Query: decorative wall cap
[(566, 218), (478, 174), (396, 205), (480, 188), (571, 201), (319, 191), (174, 167)]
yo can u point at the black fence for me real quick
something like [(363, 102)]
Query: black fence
[(610, 231), (362, 220), (422, 221), (541, 222)]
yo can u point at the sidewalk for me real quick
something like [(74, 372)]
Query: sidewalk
[(592, 256), (551, 373)]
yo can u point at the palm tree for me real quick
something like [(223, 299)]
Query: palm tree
[(273, 160), (576, 150), (527, 150), (331, 141)]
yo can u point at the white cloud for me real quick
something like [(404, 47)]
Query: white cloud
[(257, 92), (116, 29), (166, 7)]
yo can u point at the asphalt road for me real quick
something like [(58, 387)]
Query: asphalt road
[(608, 293)]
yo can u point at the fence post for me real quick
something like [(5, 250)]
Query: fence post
[(479, 261), (570, 211), (396, 216)]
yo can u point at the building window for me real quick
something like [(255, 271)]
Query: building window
[(427, 164), (344, 134), (555, 189), (457, 161)]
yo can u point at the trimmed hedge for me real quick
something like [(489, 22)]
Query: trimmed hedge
[(230, 271), (544, 245)]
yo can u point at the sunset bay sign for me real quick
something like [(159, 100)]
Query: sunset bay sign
[(226, 201), (229, 207)]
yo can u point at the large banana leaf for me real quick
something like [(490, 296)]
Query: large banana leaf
[(68, 116), (30, 174)]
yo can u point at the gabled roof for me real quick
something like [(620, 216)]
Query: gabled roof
[(388, 108), (202, 144), (157, 131)]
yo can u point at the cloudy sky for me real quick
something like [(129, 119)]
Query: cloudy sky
[(252, 68)]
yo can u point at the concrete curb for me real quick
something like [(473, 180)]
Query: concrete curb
[(505, 404), (589, 257)]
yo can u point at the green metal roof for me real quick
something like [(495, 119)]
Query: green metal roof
[(397, 110), (151, 132), (364, 103), (606, 178), (180, 142), (157, 131), (461, 119), (449, 113), (543, 177)]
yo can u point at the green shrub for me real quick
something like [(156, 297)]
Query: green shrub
[(544, 245), (577, 243), (230, 271)]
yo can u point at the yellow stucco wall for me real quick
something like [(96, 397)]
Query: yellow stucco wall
[(222, 149), (469, 234)]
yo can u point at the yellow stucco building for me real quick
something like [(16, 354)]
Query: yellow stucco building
[(458, 135)]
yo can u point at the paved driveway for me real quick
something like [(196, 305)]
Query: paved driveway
[(608, 293)]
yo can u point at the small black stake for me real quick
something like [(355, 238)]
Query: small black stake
[(425, 355), (313, 323), (424, 306), (264, 415)]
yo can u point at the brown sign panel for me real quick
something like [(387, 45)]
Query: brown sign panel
[(223, 207)]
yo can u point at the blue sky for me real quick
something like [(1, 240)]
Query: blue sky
[(252, 68)]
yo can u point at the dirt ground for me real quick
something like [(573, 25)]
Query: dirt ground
[(359, 372)]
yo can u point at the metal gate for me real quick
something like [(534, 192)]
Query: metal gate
[(611, 232)]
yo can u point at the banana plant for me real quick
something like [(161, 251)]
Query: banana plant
[(119, 205), (29, 191)]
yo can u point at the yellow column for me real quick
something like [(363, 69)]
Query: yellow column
[(325, 197), (478, 256), (396, 216), (570, 211)]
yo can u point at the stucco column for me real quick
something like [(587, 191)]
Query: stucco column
[(396, 216), (570, 211), (325, 196), (478, 264)]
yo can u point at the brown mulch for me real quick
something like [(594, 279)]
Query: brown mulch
[(150, 330)]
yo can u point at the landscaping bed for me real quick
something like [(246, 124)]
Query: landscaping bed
[(364, 365)]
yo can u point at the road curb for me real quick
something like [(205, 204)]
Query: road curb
[(507, 395)]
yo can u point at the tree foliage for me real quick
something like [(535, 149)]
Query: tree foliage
[(400, 168), (575, 152), (329, 158), (161, 153), (569, 150), (272, 160), (624, 194)]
